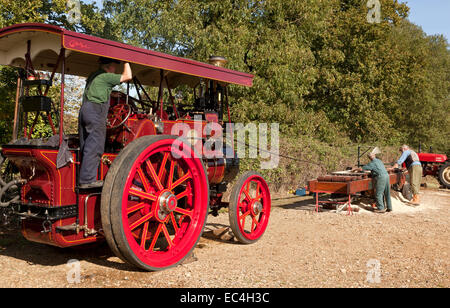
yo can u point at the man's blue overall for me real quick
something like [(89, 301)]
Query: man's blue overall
[(92, 131)]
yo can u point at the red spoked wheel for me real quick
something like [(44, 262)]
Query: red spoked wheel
[(118, 115), (249, 208), (158, 202)]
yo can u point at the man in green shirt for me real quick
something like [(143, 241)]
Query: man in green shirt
[(93, 116), (383, 186)]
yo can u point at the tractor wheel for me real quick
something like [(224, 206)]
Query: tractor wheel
[(155, 202), (407, 191), (444, 175), (249, 208)]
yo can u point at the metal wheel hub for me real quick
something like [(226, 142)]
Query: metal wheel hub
[(256, 208), (167, 203)]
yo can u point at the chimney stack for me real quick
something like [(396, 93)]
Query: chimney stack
[(218, 61)]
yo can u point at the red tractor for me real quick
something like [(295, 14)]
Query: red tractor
[(158, 188), (437, 165)]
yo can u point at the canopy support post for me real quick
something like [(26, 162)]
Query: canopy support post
[(16, 110), (172, 99), (61, 107), (161, 95), (61, 53)]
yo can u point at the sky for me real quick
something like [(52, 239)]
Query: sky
[(432, 15)]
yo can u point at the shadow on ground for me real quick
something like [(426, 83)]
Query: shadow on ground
[(308, 204), (12, 244), (219, 233)]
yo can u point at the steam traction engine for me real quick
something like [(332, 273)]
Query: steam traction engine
[(158, 188)]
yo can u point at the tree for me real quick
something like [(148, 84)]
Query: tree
[(46, 11), (321, 69)]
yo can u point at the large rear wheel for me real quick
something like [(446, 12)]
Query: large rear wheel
[(158, 202)]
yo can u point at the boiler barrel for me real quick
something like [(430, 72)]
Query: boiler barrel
[(224, 169)]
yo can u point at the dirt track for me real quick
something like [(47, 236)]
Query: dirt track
[(300, 249)]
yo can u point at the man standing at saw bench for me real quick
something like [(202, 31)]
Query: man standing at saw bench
[(93, 115), (412, 161), (383, 185)]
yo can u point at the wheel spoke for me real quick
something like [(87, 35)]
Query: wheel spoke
[(258, 191), (172, 170), (140, 221), (154, 175), (184, 212), (143, 179), (181, 181), (144, 235), (174, 222), (135, 208), (142, 194), (243, 216), (247, 195), (163, 166), (167, 235), (155, 238), (183, 194), (254, 223)]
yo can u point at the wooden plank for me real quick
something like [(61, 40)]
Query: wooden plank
[(331, 187)]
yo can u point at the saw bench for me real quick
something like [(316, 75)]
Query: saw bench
[(349, 183)]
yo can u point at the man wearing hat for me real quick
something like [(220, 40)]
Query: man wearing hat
[(412, 162), (381, 178), (93, 115)]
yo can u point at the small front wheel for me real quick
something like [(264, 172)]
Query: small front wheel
[(249, 208)]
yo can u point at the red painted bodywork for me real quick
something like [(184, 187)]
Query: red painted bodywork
[(431, 163), (432, 158), (52, 187)]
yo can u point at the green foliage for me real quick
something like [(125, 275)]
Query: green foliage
[(53, 12), (321, 70), (8, 85)]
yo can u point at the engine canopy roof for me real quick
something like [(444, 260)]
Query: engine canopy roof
[(83, 51)]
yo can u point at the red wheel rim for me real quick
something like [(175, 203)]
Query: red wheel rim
[(253, 207), (165, 203)]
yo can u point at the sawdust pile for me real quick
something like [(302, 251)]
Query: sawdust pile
[(399, 204)]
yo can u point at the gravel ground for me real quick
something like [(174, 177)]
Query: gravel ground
[(300, 249)]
